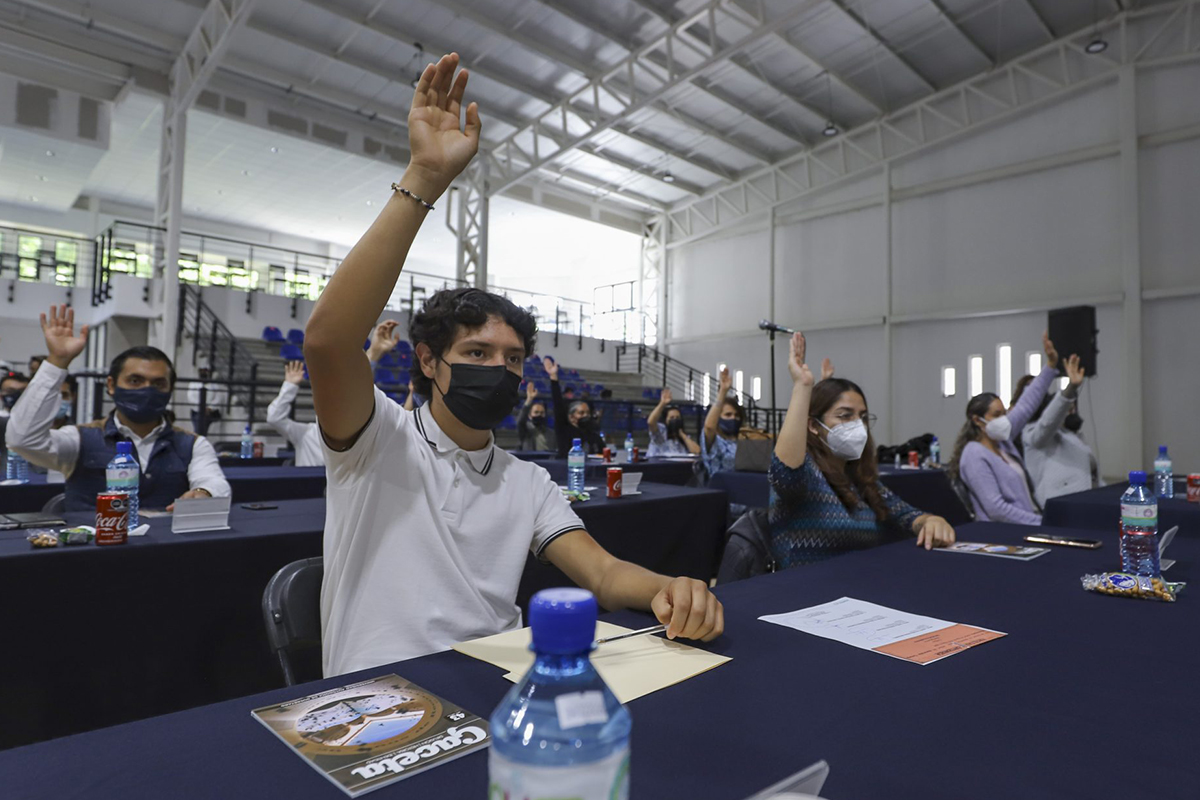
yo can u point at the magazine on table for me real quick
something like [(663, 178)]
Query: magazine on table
[(375, 732)]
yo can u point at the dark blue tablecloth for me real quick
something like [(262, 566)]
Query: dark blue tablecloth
[(1100, 510), (926, 489), (534, 455), (677, 473), (171, 621), (1056, 709)]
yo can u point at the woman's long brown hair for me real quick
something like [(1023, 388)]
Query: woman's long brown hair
[(862, 474)]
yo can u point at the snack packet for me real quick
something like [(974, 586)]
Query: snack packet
[(44, 537), (1122, 584)]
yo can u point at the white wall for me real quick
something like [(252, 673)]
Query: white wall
[(987, 231)]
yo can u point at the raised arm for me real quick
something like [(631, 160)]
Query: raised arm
[(384, 339), (409, 402), (280, 409), (792, 444), (664, 399), (343, 390), (1027, 405), (714, 411), (1041, 432)]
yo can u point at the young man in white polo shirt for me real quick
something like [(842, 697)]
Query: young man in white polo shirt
[(428, 522)]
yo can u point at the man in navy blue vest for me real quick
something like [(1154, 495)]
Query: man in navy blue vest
[(175, 463)]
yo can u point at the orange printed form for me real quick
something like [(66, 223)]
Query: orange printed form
[(909, 637)]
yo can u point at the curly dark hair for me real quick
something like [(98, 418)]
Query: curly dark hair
[(451, 311)]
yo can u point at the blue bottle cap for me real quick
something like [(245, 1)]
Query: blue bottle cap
[(563, 621), (576, 443), (1162, 449), (1137, 477), (124, 448)]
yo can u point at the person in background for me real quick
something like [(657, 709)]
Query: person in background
[(12, 386), (410, 399), (1058, 459), (532, 430), (826, 498), (69, 392), (34, 363), (718, 439), (987, 462), (215, 395), (429, 524), (669, 439), (304, 437), (572, 419), (175, 463), (568, 393)]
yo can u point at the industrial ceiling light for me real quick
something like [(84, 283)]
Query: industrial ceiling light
[(1097, 45), (274, 149), (50, 154), (668, 177), (830, 129), (417, 57)]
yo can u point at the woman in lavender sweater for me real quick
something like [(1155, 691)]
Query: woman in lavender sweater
[(985, 458)]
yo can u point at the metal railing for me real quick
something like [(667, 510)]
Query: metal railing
[(45, 257)]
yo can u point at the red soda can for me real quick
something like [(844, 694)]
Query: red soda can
[(112, 518), (1193, 490), (914, 458), (607, 454), (258, 450), (634, 456), (614, 481)]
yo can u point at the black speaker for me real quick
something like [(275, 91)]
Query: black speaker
[(1073, 331)]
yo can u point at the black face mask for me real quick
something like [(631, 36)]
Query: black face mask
[(10, 400), (1073, 422), (539, 422), (674, 426), (481, 397)]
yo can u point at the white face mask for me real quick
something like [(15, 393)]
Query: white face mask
[(848, 439), (999, 429)]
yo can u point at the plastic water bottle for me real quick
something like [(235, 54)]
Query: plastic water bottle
[(122, 476), (629, 448), (576, 466), (17, 468), (561, 731), (1164, 480), (247, 443), (1139, 528), (935, 452)]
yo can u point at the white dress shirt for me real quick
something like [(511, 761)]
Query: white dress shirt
[(30, 435), (213, 398), (425, 542), (304, 437)]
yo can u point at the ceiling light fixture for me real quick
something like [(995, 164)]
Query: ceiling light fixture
[(668, 177), (246, 172), (1097, 45), (32, 199), (370, 202), (830, 129), (274, 149), (42, 178), (50, 154), (417, 57)]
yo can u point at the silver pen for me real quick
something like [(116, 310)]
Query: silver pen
[(642, 632)]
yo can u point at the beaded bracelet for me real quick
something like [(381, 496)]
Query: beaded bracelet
[(398, 188)]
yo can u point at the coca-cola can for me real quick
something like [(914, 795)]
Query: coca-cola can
[(1193, 490), (607, 454), (914, 458), (112, 518), (633, 457), (614, 481), (258, 450)]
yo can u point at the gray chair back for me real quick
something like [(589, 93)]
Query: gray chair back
[(55, 505), (291, 607)]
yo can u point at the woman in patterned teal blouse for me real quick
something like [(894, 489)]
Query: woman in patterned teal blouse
[(826, 498), (719, 437)]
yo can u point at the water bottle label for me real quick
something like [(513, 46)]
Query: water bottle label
[(1162, 466), (576, 461), (580, 708), (1141, 516), (121, 476), (607, 779)]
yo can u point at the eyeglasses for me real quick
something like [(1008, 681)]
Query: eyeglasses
[(868, 419)]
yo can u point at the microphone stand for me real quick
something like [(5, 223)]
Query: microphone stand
[(773, 413)]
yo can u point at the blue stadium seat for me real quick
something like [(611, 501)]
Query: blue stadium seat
[(295, 336), (272, 334), (291, 352), (404, 347), (390, 359), (385, 377), (508, 424)]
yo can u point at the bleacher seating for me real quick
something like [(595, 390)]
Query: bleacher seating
[(295, 336), (272, 334), (291, 352)]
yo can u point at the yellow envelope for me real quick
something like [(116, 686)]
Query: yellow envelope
[(631, 667)]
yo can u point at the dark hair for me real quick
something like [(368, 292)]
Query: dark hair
[(13, 376), (976, 407), (438, 322), (144, 352), (605, 394), (72, 383), (1041, 409), (667, 415), (731, 400), (38, 359), (861, 474)]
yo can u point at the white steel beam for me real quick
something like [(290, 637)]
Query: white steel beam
[(620, 86), (471, 227), (1050, 72), (873, 34)]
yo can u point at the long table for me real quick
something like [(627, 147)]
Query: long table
[(1100, 510), (926, 489), (94, 636), (1088, 696), (677, 472)]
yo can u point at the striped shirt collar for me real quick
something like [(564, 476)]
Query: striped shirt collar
[(481, 460)]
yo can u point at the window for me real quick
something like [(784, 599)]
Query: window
[(949, 382), (1063, 383), (720, 368), (1004, 371), (707, 388), (689, 391), (1033, 363), (737, 384), (756, 388), (975, 370), (28, 252)]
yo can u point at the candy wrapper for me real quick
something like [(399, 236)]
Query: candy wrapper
[(1122, 584), (84, 534), (574, 496)]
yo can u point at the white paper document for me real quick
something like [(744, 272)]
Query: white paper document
[(910, 637)]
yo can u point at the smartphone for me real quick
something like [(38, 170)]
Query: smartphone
[(258, 506), (1065, 541)]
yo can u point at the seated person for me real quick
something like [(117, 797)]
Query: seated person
[(429, 523), (174, 463), (826, 498), (1058, 459), (669, 439), (985, 459), (215, 396), (532, 431), (719, 438), (66, 406), (12, 386), (573, 419)]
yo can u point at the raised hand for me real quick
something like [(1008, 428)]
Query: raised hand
[(725, 382), (384, 339), (61, 342), (797, 349), (550, 367), (826, 369), (1075, 373), (293, 372), (441, 149), (664, 398), (1051, 353), (530, 392)]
